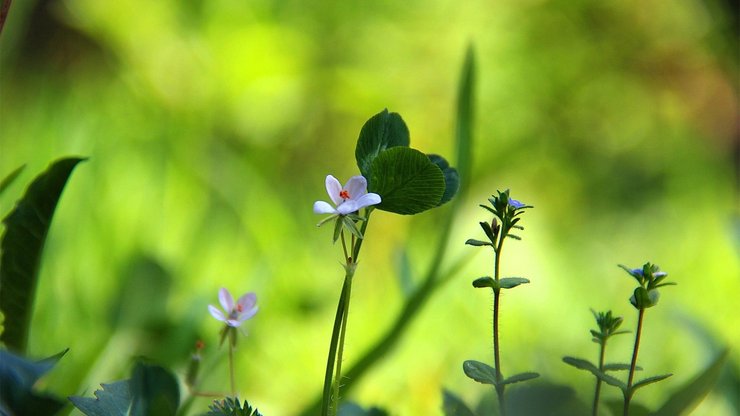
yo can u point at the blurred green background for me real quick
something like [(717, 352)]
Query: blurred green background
[(210, 126)]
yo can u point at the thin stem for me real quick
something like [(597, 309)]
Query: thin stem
[(496, 353), (633, 364), (231, 368), (597, 391), (331, 359), (338, 376)]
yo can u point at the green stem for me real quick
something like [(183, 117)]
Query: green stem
[(231, 367), (329, 401), (496, 353), (633, 364), (597, 392)]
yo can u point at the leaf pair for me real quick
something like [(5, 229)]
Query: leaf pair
[(603, 376), (407, 180), (484, 373)]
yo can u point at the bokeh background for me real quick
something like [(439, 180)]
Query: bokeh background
[(210, 126)]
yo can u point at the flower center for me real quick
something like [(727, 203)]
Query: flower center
[(344, 194), (239, 308)]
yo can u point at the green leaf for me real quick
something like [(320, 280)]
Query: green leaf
[(231, 407), (352, 227), (22, 243), (477, 243), (382, 131), (480, 372), (544, 398), (154, 391), (113, 399), (452, 180), (586, 365), (465, 116), (510, 282), (650, 380), (12, 176), (619, 367), (453, 405), (18, 375), (685, 399), (485, 281), (636, 409), (518, 378), (406, 180)]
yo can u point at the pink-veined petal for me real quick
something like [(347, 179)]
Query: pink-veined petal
[(321, 207), (356, 186), (216, 313), (333, 188), (227, 302), (367, 200), (349, 206)]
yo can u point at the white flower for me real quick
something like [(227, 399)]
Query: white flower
[(349, 199), (236, 314)]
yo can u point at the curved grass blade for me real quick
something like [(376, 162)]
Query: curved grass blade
[(22, 243)]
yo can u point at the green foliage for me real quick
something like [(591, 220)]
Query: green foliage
[(231, 407), (406, 180), (480, 372), (608, 326), (683, 400), (151, 390), (8, 180), (453, 405), (18, 375), (22, 243), (353, 409)]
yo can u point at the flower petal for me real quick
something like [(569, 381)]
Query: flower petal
[(216, 313), (356, 186), (247, 301), (321, 207), (248, 313), (227, 302), (349, 206), (333, 188), (233, 323), (367, 200)]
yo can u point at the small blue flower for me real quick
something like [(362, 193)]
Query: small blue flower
[(516, 204)]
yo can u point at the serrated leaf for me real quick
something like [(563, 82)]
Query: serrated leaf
[(154, 391), (406, 180), (510, 282), (230, 406), (586, 365), (480, 372), (112, 399), (382, 131), (518, 378), (685, 399), (650, 380), (12, 176), (18, 375), (453, 405), (22, 243), (452, 180)]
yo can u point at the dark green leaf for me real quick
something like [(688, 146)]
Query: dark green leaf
[(8, 180), (650, 380), (477, 243), (382, 131), (26, 228), (480, 372), (636, 409), (452, 180), (509, 282), (453, 405), (465, 118), (406, 180), (18, 375), (113, 399), (154, 391), (231, 407), (683, 400), (485, 281), (543, 398), (518, 378)]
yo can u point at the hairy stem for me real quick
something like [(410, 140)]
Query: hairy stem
[(496, 353), (633, 364)]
